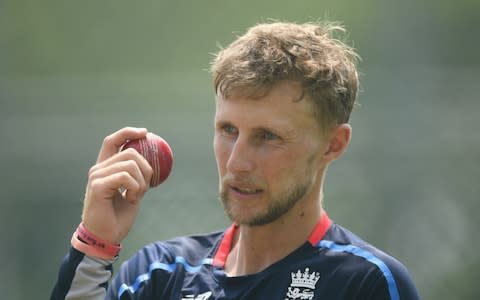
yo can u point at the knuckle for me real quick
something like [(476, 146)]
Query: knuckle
[(136, 186), (92, 171), (130, 152), (92, 178), (107, 140), (124, 175), (143, 187), (131, 165), (149, 171), (94, 184)]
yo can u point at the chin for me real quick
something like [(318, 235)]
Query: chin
[(255, 215), (254, 218)]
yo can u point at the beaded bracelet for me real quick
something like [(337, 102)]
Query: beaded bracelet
[(85, 241)]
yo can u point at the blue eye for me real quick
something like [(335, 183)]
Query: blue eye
[(229, 130), (268, 136)]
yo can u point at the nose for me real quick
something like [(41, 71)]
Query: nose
[(242, 157)]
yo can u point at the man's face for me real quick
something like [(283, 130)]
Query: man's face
[(269, 154)]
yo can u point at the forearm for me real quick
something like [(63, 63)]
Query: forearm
[(82, 277), (116, 184)]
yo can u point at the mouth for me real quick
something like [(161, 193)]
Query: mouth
[(246, 190), (243, 191)]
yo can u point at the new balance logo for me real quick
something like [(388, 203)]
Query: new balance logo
[(203, 296)]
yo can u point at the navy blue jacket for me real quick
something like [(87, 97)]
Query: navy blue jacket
[(332, 264)]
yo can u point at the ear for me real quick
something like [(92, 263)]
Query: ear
[(337, 139)]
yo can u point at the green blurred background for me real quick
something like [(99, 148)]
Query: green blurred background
[(72, 72)]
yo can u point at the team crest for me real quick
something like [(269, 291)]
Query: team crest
[(303, 285)]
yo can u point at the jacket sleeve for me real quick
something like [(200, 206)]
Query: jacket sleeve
[(397, 284), (82, 277)]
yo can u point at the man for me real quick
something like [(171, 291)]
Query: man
[(284, 93)]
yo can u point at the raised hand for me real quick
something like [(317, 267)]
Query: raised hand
[(116, 185)]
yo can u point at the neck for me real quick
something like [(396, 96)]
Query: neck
[(254, 248)]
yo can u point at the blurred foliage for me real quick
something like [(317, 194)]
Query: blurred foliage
[(72, 72)]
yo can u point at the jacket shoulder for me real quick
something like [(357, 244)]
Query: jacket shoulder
[(386, 274)]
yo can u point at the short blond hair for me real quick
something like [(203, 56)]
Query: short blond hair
[(268, 54)]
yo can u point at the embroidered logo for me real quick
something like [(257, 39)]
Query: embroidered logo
[(302, 285), (204, 296)]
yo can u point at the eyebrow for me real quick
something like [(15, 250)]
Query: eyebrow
[(219, 123)]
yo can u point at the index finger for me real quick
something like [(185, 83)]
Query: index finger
[(113, 142)]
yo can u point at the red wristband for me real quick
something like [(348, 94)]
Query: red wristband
[(86, 242)]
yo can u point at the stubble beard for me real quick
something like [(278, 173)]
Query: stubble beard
[(276, 207)]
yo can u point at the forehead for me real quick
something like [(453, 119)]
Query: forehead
[(282, 106)]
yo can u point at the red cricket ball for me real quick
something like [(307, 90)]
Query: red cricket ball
[(158, 154)]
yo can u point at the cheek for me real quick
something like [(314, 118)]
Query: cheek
[(289, 166), (222, 151), (276, 166)]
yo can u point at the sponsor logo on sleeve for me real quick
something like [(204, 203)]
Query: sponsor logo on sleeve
[(204, 296)]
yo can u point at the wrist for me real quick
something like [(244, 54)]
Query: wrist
[(86, 242)]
